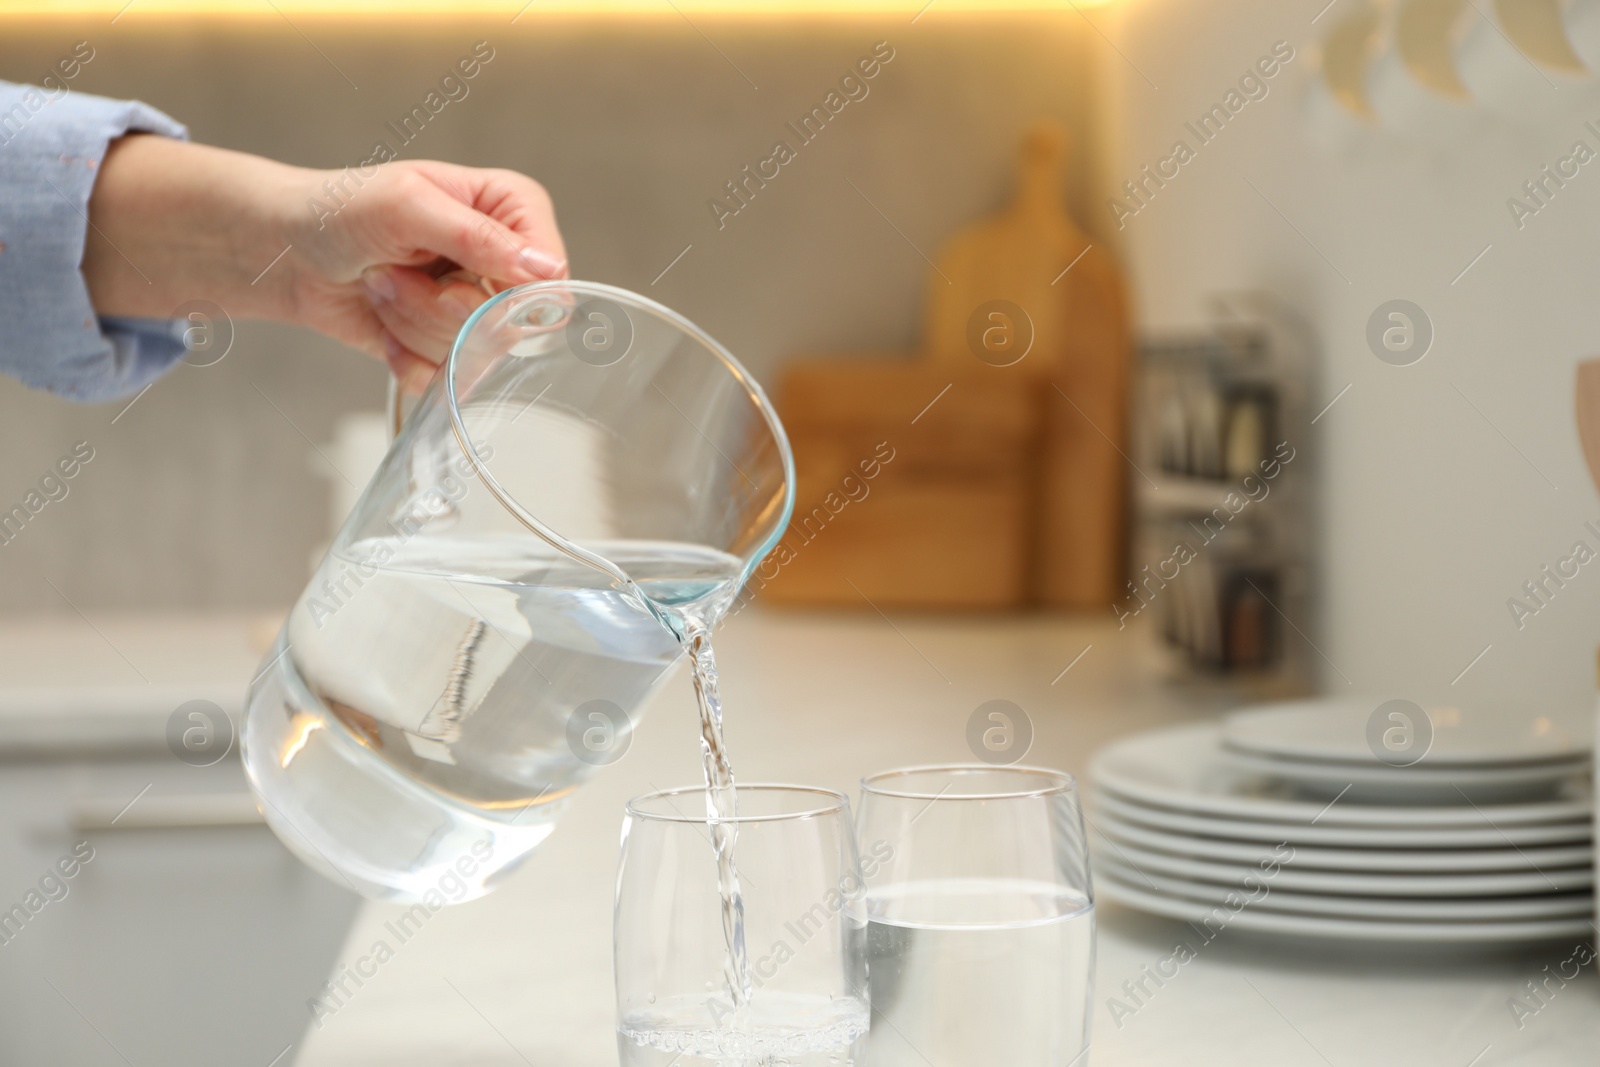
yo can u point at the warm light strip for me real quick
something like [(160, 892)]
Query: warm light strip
[(511, 8)]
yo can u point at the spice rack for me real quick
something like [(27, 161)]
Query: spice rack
[(1222, 538)]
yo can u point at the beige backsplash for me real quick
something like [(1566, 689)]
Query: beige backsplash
[(204, 494)]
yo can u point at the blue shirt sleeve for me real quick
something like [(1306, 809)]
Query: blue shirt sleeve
[(51, 144)]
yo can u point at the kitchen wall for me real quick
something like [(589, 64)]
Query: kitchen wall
[(1447, 484), (207, 493)]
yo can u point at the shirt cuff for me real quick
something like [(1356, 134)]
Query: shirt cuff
[(51, 144)]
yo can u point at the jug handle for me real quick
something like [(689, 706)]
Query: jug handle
[(395, 405), (396, 409)]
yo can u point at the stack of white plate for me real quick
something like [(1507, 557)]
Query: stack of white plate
[(1190, 830)]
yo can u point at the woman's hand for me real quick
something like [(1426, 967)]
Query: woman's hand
[(372, 259), (372, 275)]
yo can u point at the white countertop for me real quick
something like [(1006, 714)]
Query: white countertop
[(823, 700), (524, 975)]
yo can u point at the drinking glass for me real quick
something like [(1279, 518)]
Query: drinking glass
[(589, 474), (804, 933), (980, 935)]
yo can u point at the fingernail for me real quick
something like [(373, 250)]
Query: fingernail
[(378, 284), (391, 346), (543, 264)]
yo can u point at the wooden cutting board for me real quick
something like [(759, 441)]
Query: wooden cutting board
[(1588, 409), (914, 486), (1027, 294)]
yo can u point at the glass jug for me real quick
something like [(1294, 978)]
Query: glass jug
[(588, 474)]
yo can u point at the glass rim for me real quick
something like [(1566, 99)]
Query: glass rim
[(1051, 782), (508, 501), (838, 803)]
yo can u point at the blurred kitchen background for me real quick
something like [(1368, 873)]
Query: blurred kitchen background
[(1229, 299), (212, 498), (1440, 488)]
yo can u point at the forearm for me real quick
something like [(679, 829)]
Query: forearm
[(171, 221)]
